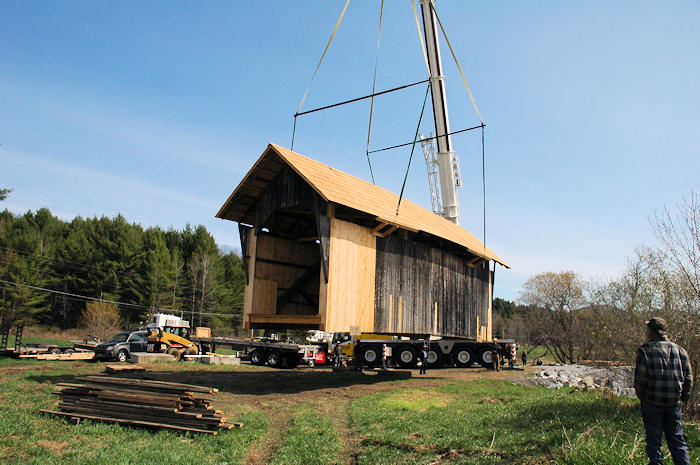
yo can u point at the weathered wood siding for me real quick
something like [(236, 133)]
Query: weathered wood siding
[(420, 289), (350, 291)]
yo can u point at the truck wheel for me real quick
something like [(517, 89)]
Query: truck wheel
[(189, 351), (407, 357), (434, 359), (486, 358), (122, 356), (274, 359), (371, 357), (257, 357), (463, 357), (55, 350)]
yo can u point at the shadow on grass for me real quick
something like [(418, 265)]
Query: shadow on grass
[(251, 382)]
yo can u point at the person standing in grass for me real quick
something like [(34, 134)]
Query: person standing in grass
[(523, 356), (662, 380)]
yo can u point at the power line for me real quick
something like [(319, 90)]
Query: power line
[(126, 304)]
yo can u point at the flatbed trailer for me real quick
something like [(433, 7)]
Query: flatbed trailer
[(271, 353), (31, 349)]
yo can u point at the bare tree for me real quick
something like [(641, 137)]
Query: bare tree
[(556, 301), (679, 235), (100, 319)]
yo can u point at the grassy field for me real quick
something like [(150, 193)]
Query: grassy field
[(308, 417)]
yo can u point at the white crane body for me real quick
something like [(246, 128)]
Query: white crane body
[(445, 155)]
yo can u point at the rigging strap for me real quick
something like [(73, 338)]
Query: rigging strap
[(335, 29), (415, 139), (420, 36), (374, 82)]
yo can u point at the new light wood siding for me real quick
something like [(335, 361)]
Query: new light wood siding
[(424, 290), (350, 291)]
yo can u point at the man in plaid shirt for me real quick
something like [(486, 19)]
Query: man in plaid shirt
[(663, 379)]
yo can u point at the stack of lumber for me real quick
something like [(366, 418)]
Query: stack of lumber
[(112, 369), (158, 404), (68, 357)]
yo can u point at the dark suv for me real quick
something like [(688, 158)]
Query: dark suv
[(122, 345)]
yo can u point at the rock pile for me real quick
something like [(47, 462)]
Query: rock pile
[(620, 380)]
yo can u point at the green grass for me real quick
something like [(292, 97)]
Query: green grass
[(413, 421), (491, 422), (310, 440), (38, 340), (27, 437)]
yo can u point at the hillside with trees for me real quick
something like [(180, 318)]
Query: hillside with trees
[(50, 269)]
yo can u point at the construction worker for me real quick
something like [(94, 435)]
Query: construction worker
[(338, 359), (423, 358), (386, 352), (357, 356), (523, 356), (663, 379)]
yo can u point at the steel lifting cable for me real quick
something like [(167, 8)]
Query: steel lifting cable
[(483, 144), (374, 82), (415, 139), (335, 29)]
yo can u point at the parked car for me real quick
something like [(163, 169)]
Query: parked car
[(122, 345)]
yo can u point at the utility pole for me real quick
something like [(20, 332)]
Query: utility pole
[(445, 155)]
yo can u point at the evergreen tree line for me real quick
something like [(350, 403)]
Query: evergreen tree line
[(146, 270)]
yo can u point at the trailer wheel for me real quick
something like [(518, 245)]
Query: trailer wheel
[(69, 351), (55, 350), (274, 359), (463, 357), (434, 359), (257, 357), (370, 357), (486, 358), (407, 357)]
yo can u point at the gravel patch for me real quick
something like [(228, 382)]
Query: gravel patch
[(619, 380)]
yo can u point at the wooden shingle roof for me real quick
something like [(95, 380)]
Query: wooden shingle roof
[(344, 189)]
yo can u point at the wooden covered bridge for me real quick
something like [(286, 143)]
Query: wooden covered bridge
[(325, 250)]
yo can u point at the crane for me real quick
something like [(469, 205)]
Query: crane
[(448, 176)]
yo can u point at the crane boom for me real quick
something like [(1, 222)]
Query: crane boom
[(445, 155)]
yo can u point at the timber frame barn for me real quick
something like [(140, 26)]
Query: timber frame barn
[(325, 250)]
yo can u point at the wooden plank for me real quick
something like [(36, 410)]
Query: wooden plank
[(299, 320), (352, 263), (265, 297), (148, 383), (250, 285), (128, 422)]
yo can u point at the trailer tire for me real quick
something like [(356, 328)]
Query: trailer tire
[(434, 359), (486, 358), (463, 357), (69, 351), (371, 357), (407, 357), (274, 359), (55, 351), (257, 357)]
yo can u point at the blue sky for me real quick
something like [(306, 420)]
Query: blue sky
[(157, 109)]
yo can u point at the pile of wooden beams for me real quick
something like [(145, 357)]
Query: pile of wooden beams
[(157, 404), (66, 357)]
